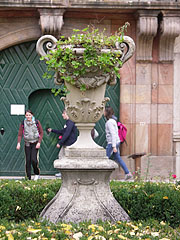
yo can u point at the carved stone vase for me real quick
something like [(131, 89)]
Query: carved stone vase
[(85, 193)]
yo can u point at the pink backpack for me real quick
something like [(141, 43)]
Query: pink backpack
[(122, 131)]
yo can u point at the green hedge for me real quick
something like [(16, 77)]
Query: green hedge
[(147, 200), (34, 230), (20, 200), (24, 199)]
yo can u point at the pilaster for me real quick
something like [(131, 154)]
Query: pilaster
[(176, 108), (170, 29), (147, 26)]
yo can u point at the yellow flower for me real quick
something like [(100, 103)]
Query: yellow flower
[(165, 197), (68, 232), (162, 223), (121, 237), (37, 224), (135, 227), (66, 226), (45, 195), (92, 227), (90, 238), (110, 232), (9, 235), (100, 228), (2, 227), (116, 230), (164, 239), (32, 230)]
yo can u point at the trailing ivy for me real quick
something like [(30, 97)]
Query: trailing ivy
[(101, 53)]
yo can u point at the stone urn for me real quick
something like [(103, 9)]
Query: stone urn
[(85, 193)]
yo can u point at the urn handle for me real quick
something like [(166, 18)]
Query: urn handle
[(127, 47), (48, 42)]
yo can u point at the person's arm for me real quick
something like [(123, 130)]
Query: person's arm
[(20, 133), (59, 132), (67, 132)]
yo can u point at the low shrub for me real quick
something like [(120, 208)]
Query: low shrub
[(21, 200), (34, 230), (146, 200)]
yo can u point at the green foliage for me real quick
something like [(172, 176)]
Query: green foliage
[(146, 200), (60, 91), (44, 230), (70, 66), (20, 200)]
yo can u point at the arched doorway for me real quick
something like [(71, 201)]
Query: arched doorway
[(47, 109), (22, 83)]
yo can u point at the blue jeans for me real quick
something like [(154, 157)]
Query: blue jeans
[(116, 156)]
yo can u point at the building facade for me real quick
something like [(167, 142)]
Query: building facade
[(146, 98)]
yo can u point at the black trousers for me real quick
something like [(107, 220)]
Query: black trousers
[(31, 159)]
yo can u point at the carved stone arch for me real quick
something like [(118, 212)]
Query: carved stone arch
[(18, 36)]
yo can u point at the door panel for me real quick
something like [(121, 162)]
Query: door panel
[(47, 109)]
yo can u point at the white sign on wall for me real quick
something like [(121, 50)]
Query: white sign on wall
[(17, 109)]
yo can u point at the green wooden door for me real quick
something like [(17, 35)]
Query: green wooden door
[(21, 82), (48, 110)]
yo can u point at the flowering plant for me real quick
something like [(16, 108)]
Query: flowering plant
[(86, 52)]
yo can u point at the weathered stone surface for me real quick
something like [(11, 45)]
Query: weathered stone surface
[(18, 30), (85, 193), (147, 25), (51, 21), (170, 29)]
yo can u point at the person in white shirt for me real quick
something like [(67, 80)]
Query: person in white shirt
[(113, 141)]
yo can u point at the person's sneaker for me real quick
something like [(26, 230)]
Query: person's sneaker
[(36, 177), (128, 176), (58, 175)]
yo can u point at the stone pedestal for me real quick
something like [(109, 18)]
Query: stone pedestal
[(85, 193)]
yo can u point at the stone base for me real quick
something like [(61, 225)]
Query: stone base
[(85, 193)]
